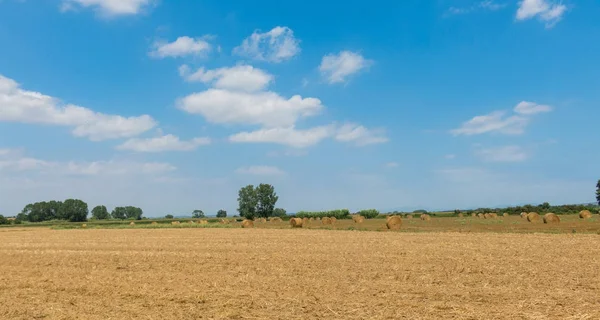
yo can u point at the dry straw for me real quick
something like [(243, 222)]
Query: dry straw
[(524, 215), (493, 215), (533, 217), (487, 216), (551, 218), (425, 217), (275, 219), (84, 225), (296, 222), (473, 215), (305, 221), (358, 218), (394, 223), (203, 222), (505, 215), (154, 223), (480, 215), (132, 223), (409, 216), (326, 220), (585, 214), (175, 222), (460, 215), (247, 224)]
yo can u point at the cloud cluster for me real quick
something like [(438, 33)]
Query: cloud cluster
[(336, 68), (275, 46), (240, 77), (181, 47), (501, 122), (18, 105), (546, 11), (163, 143)]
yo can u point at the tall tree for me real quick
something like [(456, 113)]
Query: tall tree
[(100, 213), (198, 214), (119, 213), (134, 213), (598, 192), (266, 200), (247, 202), (74, 210), (222, 214)]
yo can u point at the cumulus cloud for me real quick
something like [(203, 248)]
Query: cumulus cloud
[(241, 77), (547, 11), (502, 154), (336, 68), (276, 45), (502, 122), (164, 143), (289, 136), (183, 46), (18, 105), (261, 171), (263, 108), (360, 135), (108, 7)]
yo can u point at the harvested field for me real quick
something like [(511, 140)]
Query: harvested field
[(240, 274)]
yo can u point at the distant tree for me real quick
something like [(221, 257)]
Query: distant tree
[(119, 213), (279, 212), (3, 220), (598, 192), (544, 206), (169, 216), (266, 200), (74, 210), (247, 202), (133, 213), (221, 214), (100, 213), (369, 213), (421, 211), (198, 214)]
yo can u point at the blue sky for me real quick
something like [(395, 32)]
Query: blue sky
[(174, 105)]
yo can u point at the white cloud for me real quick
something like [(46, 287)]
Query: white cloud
[(183, 46), (502, 154), (241, 77), (261, 171), (500, 122), (289, 136), (16, 162), (360, 135), (163, 143), (277, 45), (493, 122), (546, 11), (264, 108), (17, 105), (337, 67), (108, 7), (529, 108)]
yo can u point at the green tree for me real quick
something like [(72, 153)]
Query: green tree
[(119, 213), (100, 213), (247, 202), (3, 220), (279, 212), (198, 214), (74, 210), (221, 214), (133, 213), (169, 216), (266, 200), (598, 192)]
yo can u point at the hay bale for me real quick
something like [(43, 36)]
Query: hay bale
[(480, 215), (262, 220), (132, 223), (533, 217), (493, 215), (247, 224), (394, 223), (203, 222), (296, 222), (84, 225), (358, 219), (311, 219), (333, 220), (524, 215), (585, 214), (409, 216), (425, 217), (326, 220), (192, 222), (154, 223), (505, 215), (460, 215), (305, 221), (224, 221), (487, 216), (473, 214), (551, 218), (276, 219), (175, 222)]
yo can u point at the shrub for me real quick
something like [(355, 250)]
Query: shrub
[(3, 220), (338, 214), (369, 214)]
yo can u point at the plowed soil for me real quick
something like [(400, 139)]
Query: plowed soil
[(296, 274)]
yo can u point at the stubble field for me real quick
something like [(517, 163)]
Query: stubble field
[(196, 273)]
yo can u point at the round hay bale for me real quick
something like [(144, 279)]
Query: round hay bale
[(296, 222), (524, 215), (409, 216), (318, 218), (333, 220), (262, 220), (276, 219), (551, 218), (192, 222), (203, 222), (305, 221), (493, 215), (425, 217), (358, 219), (132, 223), (247, 224), (480, 215), (473, 214), (326, 220), (394, 223), (84, 225), (585, 214), (175, 222), (505, 215), (533, 217), (487, 216), (154, 223), (224, 221)]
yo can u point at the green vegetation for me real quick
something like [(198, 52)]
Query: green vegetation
[(257, 202), (198, 214), (131, 213), (169, 216), (222, 214), (338, 214), (3, 220), (369, 214), (279, 212), (100, 213), (598, 192)]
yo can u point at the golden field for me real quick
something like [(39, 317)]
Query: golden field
[(282, 273)]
